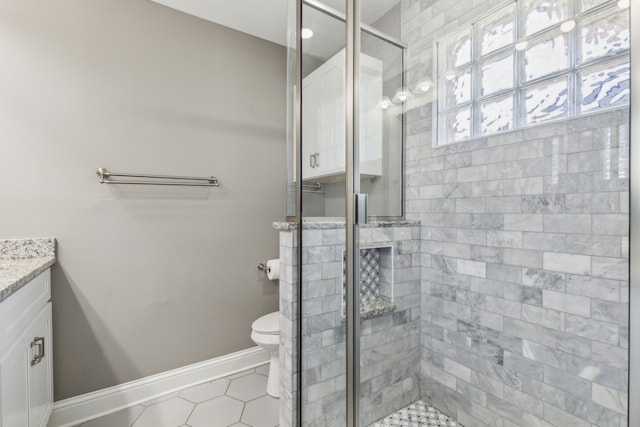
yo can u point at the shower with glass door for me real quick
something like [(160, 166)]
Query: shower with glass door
[(459, 182)]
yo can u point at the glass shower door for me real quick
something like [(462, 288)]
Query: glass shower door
[(351, 241), (322, 162), (388, 267), (510, 303), (489, 283)]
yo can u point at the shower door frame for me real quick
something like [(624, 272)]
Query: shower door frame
[(634, 220), (352, 187)]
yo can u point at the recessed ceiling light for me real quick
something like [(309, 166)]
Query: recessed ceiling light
[(306, 33), (623, 4), (450, 75), (567, 26)]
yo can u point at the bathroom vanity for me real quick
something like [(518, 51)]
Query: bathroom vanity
[(26, 368)]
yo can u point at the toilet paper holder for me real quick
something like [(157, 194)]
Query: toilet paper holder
[(271, 268)]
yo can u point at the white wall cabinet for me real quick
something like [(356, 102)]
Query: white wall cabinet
[(26, 368), (323, 118)]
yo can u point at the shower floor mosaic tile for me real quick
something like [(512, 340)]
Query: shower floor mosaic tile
[(418, 414)]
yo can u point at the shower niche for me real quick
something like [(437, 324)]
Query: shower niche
[(376, 282)]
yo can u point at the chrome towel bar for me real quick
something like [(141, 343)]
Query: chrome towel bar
[(316, 188), (104, 176)]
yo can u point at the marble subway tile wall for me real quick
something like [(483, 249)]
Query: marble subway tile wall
[(288, 296), (525, 277), (390, 343), (524, 258)]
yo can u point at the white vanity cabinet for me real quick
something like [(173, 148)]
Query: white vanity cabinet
[(323, 118), (26, 369)]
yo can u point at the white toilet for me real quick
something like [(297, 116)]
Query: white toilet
[(266, 333)]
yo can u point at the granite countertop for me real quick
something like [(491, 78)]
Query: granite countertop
[(327, 225), (21, 260)]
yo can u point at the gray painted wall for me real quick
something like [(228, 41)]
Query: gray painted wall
[(149, 278)]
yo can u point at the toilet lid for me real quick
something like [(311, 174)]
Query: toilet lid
[(267, 324)]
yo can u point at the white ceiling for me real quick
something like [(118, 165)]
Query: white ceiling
[(266, 19)]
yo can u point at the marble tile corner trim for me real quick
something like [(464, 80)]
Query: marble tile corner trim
[(27, 248)]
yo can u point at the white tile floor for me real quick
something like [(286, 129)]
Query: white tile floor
[(237, 400)]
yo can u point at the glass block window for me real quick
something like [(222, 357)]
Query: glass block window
[(532, 61)]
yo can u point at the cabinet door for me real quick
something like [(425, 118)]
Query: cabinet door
[(331, 106), (26, 389), (370, 116), (323, 118), (323, 109), (14, 395), (310, 120), (40, 373)]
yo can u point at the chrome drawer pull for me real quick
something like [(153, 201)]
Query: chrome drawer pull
[(37, 357)]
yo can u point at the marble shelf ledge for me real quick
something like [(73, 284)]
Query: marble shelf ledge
[(374, 308), (329, 225)]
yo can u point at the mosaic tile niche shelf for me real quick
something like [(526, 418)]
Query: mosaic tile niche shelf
[(418, 414), (376, 282)]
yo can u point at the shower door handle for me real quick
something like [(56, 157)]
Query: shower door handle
[(361, 205)]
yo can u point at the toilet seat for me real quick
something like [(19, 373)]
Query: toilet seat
[(269, 324), (266, 334)]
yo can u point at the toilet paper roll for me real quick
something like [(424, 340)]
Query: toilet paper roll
[(273, 269)]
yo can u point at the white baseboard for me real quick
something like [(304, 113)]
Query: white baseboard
[(79, 409)]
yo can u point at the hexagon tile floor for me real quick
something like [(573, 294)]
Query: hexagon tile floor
[(237, 400)]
